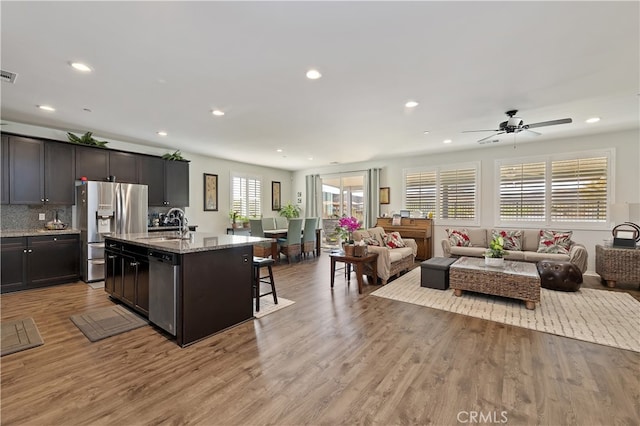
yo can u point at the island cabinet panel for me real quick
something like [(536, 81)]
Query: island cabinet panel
[(127, 274), (5, 170), (216, 292), (92, 163), (26, 171), (123, 166)]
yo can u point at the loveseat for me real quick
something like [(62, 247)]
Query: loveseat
[(530, 248), (391, 261)]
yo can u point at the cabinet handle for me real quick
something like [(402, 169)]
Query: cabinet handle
[(42, 199), (25, 250), (30, 251), (55, 239), (46, 199), (134, 264), (111, 257)]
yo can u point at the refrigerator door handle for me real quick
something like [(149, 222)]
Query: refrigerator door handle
[(119, 210)]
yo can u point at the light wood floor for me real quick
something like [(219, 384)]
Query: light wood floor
[(334, 357)]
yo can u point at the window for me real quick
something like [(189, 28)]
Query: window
[(452, 193), (553, 189), (343, 195), (246, 195)]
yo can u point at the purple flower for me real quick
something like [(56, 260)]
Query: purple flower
[(349, 223)]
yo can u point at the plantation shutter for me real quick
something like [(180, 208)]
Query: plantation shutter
[(522, 192), (579, 190), (458, 194), (420, 191), (246, 196)]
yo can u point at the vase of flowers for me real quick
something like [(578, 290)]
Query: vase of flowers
[(494, 256), (345, 228)]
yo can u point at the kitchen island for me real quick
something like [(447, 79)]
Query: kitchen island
[(192, 288)]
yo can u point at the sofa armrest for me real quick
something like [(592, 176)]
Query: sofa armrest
[(446, 248), (384, 260), (578, 255), (410, 242)]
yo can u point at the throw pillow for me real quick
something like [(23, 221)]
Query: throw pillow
[(512, 239), (554, 242), (370, 241), (394, 240), (459, 237)]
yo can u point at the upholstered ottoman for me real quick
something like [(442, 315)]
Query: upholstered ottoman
[(434, 272), (559, 275)]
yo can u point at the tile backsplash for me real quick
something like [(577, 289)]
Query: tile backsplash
[(23, 217)]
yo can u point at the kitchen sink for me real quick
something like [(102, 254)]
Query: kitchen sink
[(158, 239)]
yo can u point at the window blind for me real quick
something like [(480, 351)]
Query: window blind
[(246, 196), (420, 191), (458, 194), (523, 192), (579, 190)]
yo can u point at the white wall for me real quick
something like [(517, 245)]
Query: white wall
[(626, 181)]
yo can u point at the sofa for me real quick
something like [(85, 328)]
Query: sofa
[(479, 239), (391, 261)]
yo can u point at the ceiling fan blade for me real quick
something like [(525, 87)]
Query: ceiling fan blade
[(472, 131), (535, 133), (489, 137), (549, 123)]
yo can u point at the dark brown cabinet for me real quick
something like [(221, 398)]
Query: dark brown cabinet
[(30, 262), (39, 172), (92, 163), (127, 275), (123, 166), (168, 181), (5, 170)]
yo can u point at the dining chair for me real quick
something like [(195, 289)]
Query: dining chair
[(259, 249), (291, 246), (281, 222), (309, 236), (268, 223)]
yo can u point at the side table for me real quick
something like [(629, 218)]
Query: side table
[(358, 262), (618, 264)]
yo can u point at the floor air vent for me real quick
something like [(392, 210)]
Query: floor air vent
[(8, 76)]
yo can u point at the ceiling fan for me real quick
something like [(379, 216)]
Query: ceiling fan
[(516, 125)]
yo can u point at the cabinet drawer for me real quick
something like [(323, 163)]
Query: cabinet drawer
[(53, 238)]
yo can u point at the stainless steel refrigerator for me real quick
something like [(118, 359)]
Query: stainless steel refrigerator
[(107, 208)]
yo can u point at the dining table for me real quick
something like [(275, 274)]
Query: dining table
[(282, 233)]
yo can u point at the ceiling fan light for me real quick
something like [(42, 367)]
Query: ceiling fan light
[(46, 108), (447, 141), (411, 104), (313, 74), (81, 67)]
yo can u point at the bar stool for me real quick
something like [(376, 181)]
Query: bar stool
[(261, 262)]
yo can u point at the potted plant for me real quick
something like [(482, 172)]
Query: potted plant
[(345, 228), (494, 256), (290, 210)]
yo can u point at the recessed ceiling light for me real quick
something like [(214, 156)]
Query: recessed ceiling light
[(81, 67), (46, 107), (411, 104), (162, 133), (217, 112), (313, 74), (592, 120), (426, 132), (310, 158), (447, 141), (278, 150)]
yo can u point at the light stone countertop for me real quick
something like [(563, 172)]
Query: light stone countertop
[(197, 241), (37, 232)]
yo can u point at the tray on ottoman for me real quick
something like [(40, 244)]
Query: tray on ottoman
[(518, 280)]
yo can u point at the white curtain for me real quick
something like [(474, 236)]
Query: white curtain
[(313, 204), (372, 191)]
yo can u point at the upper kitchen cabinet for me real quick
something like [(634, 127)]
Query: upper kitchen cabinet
[(176, 183), (39, 172), (59, 172), (92, 163), (5, 170), (168, 181), (123, 166)]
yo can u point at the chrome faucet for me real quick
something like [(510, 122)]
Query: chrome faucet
[(183, 231)]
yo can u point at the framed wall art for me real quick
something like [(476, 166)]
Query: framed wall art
[(275, 196), (384, 195), (210, 192)]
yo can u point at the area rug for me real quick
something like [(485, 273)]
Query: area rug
[(18, 335), (106, 322), (268, 307), (597, 316)]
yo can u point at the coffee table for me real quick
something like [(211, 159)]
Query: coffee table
[(518, 280), (358, 262)]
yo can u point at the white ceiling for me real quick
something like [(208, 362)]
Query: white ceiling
[(167, 65)]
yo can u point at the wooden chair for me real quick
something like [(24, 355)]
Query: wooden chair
[(259, 249), (291, 246), (309, 236)]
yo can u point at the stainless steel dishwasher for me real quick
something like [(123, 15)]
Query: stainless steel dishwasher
[(164, 269)]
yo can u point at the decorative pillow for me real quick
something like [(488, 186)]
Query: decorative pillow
[(459, 237), (371, 241), (512, 239), (394, 240), (554, 242)]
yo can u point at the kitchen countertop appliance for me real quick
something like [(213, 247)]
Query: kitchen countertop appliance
[(107, 208)]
